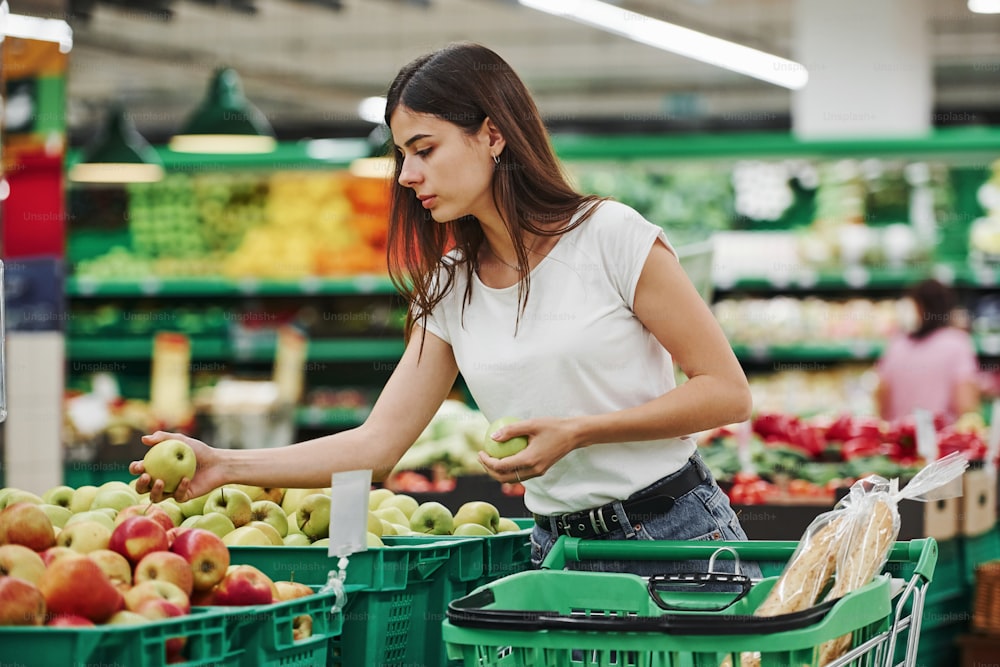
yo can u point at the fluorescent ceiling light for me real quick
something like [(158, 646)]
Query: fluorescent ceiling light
[(984, 6), (674, 38), (372, 109)]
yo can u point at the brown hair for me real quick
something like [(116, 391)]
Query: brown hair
[(935, 301), (465, 83)]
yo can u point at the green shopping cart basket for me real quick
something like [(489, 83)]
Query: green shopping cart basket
[(555, 617)]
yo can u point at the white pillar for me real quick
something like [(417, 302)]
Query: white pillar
[(870, 69), (33, 431)]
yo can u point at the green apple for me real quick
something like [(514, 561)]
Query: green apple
[(296, 540), (374, 523), (83, 496), (293, 498), (109, 512), (392, 514), (233, 503), (91, 515), (173, 510), (19, 496), (293, 524), (374, 540), (314, 516), (246, 536), (402, 530), (270, 531), (385, 528), (116, 484), (406, 504), (116, 499), (472, 529), (432, 518), (170, 461), (255, 492), (506, 448), (84, 537), (321, 542), (194, 506), (270, 512), (377, 496), (478, 511), (214, 522), (58, 514), (506, 525), (59, 495)]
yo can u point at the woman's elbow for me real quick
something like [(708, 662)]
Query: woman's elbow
[(741, 403)]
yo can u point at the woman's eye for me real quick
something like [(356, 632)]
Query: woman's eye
[(424, 153)]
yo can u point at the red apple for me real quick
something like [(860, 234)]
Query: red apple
[(173, 533), (55, 553), (291, 590), (21, 603), (116, 566), (69, 621), (156, 590), (154, 512), (206, 553), (159, 609), (203, 598), (26, 524), (166, 566), (17, 560), (137, 536), (244, 585), (79, 586)]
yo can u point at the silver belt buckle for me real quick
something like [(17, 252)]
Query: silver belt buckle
[(593, 522)]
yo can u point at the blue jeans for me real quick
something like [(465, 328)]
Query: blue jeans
[(701, 514)]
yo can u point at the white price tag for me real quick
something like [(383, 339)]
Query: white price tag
[(349, 512), (993, 437), (927, 445)]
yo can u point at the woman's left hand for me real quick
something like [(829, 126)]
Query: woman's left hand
[(549, 439)]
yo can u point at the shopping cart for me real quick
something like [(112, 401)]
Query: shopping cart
[(555, 617)]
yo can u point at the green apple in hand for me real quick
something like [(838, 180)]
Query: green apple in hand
[(432, 518), (501, 450), (170, 461), (314, 516)]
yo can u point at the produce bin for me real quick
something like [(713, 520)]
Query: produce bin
[(263, 633), (401, 592), (557, 617), (132, 645)]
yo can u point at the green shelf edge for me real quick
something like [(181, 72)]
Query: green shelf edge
[(84, 288), (221, 349)]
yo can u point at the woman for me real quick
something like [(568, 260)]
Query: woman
[(555, 307), (934, 366)]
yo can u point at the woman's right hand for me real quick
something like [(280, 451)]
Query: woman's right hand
[(208, 475)]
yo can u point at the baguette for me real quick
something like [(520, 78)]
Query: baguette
[(806, 574), (862, 559)]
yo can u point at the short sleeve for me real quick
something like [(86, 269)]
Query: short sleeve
[(626, 239)]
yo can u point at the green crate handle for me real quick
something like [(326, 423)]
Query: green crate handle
[(574, 549)]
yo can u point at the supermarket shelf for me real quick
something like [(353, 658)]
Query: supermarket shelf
[(191, 287), (858, 350), (132, 349), (316, 417), (862, 278)]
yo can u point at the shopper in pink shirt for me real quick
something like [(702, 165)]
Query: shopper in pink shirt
[(933, 367)]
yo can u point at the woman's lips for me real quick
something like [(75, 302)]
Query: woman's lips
[(428, 200)]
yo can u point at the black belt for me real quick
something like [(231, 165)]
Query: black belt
[(604, 519)]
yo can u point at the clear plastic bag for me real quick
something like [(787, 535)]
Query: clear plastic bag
[(843, 549)]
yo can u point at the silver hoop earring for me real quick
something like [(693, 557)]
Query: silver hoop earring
[(496, 159)]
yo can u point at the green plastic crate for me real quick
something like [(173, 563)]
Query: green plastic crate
[(131, 645), (264, 632), (532, 618), (401, 593)]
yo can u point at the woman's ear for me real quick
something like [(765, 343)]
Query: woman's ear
[(494, 135)]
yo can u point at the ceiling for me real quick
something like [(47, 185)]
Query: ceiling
[(307, 65)]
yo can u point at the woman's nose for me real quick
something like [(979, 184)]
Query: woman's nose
[(408, 176)]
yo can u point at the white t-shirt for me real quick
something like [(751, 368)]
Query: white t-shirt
[(579, 350)]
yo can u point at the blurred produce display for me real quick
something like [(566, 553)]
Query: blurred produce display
[(280, 225), (984, 237), (451, 440), (783, 320), (806, 388), (789, 458)]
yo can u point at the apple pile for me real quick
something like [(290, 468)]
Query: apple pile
[(391, 513)]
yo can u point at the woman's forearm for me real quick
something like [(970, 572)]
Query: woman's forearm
[(700, 403)]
